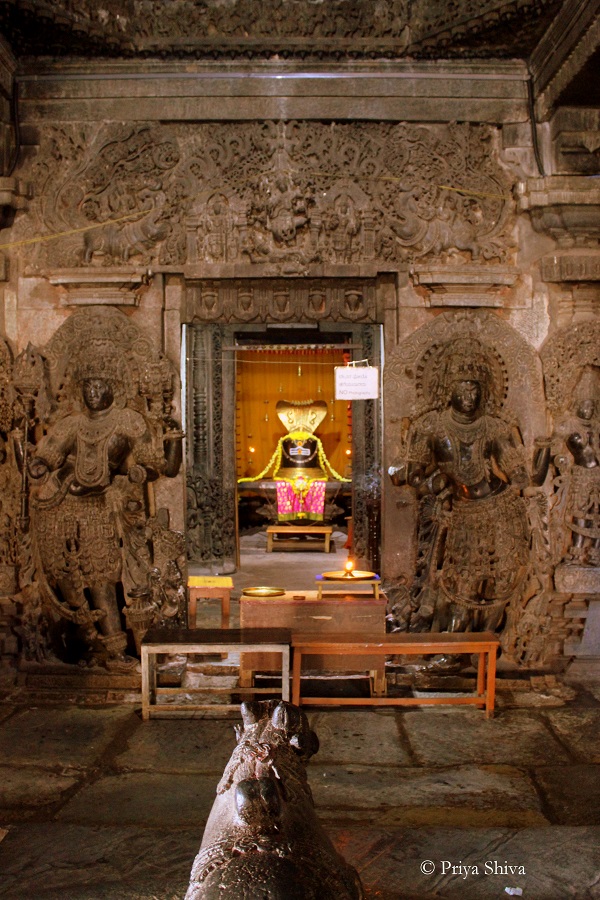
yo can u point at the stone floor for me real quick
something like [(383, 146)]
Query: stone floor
[(425, 803)]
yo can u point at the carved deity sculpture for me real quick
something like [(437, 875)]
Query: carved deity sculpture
[(263, 838), (75, 520), (104, 558), (578, 461), (472, 460)]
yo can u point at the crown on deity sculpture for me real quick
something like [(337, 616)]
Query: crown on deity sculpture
[(467, 361), (99, 360)]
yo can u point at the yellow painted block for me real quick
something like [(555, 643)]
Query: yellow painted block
[(203, 581)]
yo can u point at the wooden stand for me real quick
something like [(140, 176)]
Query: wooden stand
[(484, 644), (350, 586), (207, 587), (304, 613), (180, 641), (322, 532)]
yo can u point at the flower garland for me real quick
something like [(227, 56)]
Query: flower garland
[(303, 482)]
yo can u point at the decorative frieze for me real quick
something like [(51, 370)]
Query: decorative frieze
[(282, 300), (278, 199)]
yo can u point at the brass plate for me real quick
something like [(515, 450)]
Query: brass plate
[(342, 575), (263, 592)]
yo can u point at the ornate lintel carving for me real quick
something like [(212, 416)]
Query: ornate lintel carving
[(284, 199), (466, 285), (282, 299), (100, 287)]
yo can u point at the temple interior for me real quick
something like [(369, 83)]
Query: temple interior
[(299, 449)]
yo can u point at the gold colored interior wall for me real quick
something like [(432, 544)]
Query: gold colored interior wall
[(266, 376)]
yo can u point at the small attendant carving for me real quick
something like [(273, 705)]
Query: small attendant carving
[(578, 461)]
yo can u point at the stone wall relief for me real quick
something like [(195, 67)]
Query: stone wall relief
[(9, 478), (99, 562), (571, 361), (483, 551), (282, 300), (283, 196)]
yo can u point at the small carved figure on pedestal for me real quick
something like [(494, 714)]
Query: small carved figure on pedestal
[(578, 462)]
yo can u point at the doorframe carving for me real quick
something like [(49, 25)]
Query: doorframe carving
[(214, 311)]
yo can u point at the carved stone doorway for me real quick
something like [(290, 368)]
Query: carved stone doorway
[(211, 451)]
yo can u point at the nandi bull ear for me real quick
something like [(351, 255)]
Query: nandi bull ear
[(251, 712), (288, 718)]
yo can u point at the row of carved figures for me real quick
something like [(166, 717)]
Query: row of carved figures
[(86, 432)]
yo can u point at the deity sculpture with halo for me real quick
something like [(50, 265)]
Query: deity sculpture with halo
[(102, 554), (466, 459)]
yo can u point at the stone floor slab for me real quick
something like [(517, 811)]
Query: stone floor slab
[(96, 863), (571, 798), (358, 737), (67, 737), (31, 787), (464, 796), (579, 729), (179, 745), (558, 862), (452, 737), (150, 799)]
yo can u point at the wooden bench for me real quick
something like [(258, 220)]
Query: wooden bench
[(321, 531), (305, 614), (178, 641), (484, 644), (206, 587)]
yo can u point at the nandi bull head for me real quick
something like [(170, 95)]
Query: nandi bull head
[(263, 840)]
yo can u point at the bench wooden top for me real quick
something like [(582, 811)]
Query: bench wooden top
[(230, 636), (426, 642), (203, 581)]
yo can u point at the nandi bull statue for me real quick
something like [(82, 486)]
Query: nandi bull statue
[(263, 840)]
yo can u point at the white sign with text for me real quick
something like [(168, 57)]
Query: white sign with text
[(356, 382)]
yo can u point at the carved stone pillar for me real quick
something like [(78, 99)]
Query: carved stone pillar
[(567, 209)]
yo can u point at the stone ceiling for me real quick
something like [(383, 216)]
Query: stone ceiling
[(303, 29)]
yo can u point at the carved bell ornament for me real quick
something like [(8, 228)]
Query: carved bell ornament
[(301, 415)]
